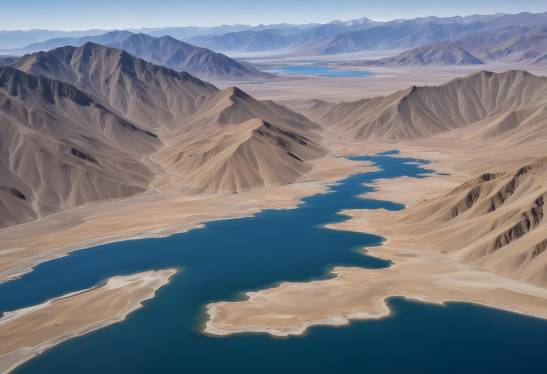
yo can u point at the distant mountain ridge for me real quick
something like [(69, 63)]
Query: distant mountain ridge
[(166, 51), (181, 56), (352, 36), (509, 45), (107, 38), (328, 38), (133, 87), (444, 53)]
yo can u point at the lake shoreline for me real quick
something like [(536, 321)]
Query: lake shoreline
[(268, 310), (30, 330), (228, 257), (87, 224)]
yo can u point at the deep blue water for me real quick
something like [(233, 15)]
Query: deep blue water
[(227, 258), (318, 70)]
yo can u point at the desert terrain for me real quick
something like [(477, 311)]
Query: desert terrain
[(29, 331), (126, 135), (472, 220)]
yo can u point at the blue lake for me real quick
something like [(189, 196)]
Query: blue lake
[(318, 70), (227, 258)]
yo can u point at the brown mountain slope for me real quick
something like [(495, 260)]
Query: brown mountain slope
[(510, 45), (524, 128), (165, 50), (237, 158), (181, 56), (60, 149), (7, 60), (150, 95), (444, 53), (233, 105), (420, 112), (187, 134), (495, 220), (237, 142)]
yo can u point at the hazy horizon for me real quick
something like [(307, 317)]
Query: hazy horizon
[(64, 15)]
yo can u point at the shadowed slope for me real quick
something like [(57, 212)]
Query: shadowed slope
[(237, 158), (166, 51), (495, 220), (150, 95), (59, 149), (237, 143), (201, 139), (181, 56)]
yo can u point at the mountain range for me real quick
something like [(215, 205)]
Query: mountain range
[(16, 39), (329, 38), (113, 115), (471, 40), (444, 53), (365, 34), (510, 45), (506, 99), (495, 218), (166, 51), (92, 123)]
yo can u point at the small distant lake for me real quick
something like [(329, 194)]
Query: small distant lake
[(318, 70)]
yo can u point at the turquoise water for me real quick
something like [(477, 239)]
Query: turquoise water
[(227, 258), (318, 70)]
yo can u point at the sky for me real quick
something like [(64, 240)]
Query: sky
[(117, 14)]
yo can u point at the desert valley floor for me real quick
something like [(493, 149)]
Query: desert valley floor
[(322, 207)]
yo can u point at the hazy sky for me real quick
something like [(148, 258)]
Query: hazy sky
[(108, 14)]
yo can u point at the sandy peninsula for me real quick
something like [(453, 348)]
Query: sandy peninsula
[(27, 332), (420, 270)]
